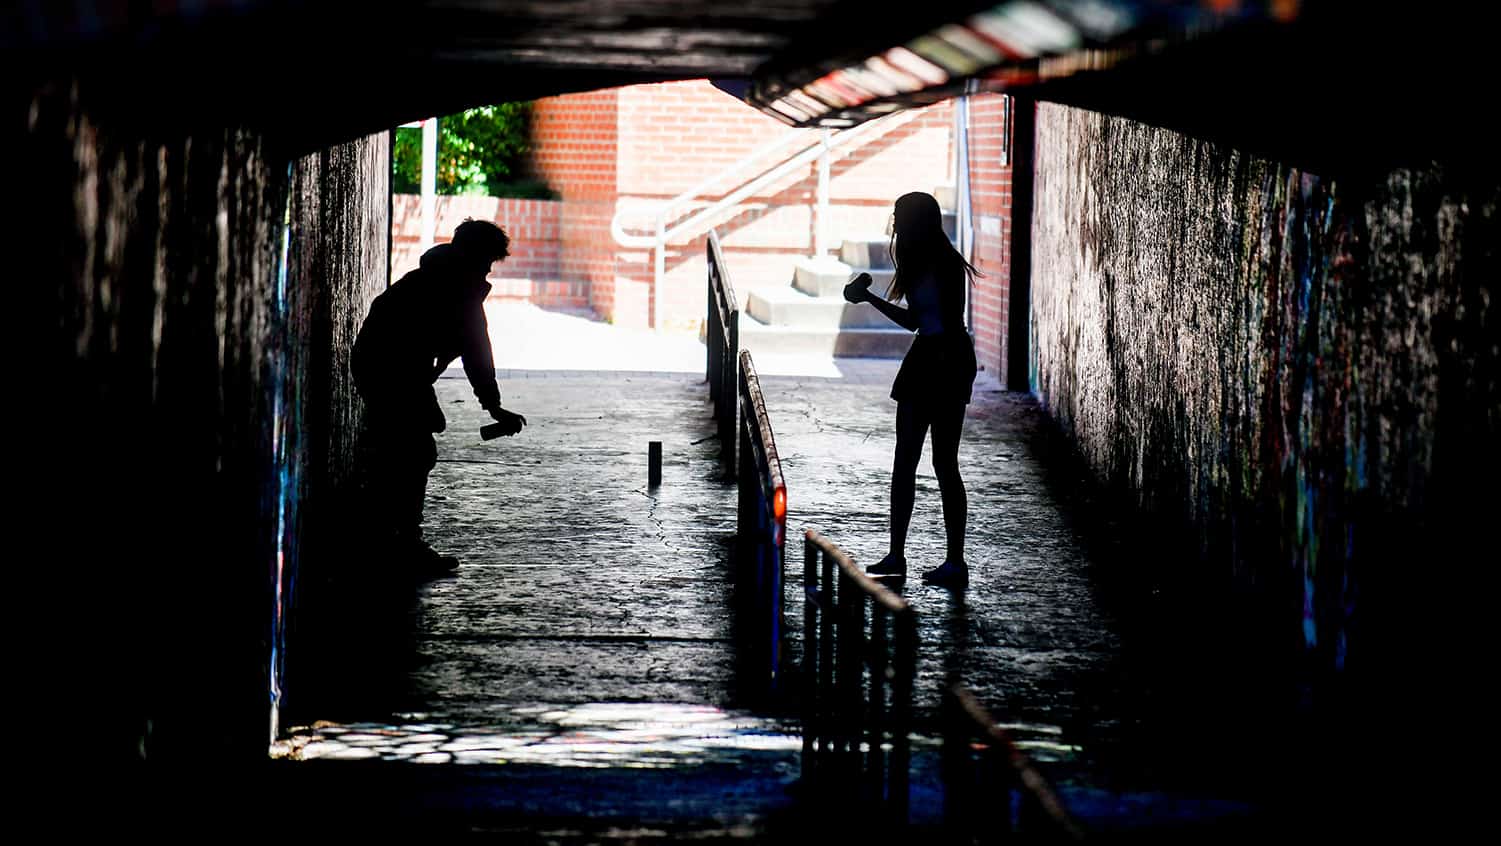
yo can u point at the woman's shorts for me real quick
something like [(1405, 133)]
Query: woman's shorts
[(938, 369)]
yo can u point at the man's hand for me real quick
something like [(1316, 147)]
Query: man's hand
[(858, 290), (511, 423)]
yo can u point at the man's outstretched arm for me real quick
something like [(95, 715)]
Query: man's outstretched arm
[(479, 360), (479, 366)]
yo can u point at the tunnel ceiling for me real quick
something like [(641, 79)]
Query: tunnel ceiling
[(1348, 82), (331, 70), (667, 37)]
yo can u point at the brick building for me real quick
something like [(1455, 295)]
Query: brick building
[(626, 150)]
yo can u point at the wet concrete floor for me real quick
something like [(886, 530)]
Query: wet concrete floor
[(589, 627)]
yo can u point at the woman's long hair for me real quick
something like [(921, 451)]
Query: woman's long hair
[(919, 244)]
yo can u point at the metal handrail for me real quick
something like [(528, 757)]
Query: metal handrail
[(761, 525), (965, 718), (666, 208), (838, 141), (821, 146), (848, 723), (722, 340), (762, 453), (876, 591)]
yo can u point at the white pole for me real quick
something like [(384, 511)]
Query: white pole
[(429, 181), (963, 212), (821, 222), (659, 272), (965, 233)]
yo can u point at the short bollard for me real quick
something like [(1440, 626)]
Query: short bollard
[(654, 464)]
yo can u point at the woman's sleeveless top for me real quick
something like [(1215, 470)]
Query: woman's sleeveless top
[(924, 301)]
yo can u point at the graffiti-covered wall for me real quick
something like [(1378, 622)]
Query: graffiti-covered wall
[(337, 262), (184, 397), (1302, 371), (156, 331)]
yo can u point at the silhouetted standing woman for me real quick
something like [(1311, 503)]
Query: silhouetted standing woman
[(936, 378)]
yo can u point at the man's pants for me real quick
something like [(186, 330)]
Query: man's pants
[(399, 457)]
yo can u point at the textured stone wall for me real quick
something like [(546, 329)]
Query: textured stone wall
[(337, 262), (1301, 372), (185, 397), (155, 340)]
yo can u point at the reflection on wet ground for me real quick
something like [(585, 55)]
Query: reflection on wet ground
[(623, 734)]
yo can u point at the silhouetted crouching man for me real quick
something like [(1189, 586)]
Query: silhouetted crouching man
[(415, 329)]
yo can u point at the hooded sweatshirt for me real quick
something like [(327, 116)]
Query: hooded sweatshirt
[(417, 327)]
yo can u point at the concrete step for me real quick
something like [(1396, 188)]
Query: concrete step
[(873, 252), (826, 277), (792, 308), (866, 253), (758, 337)]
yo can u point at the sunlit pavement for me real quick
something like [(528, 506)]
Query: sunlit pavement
[(584, 654), (528, 338)]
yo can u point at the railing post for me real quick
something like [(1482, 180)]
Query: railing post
[(875, 713), (821, 220), (712, 331), (849, 724), (828, 717), (904, 667), (847, 678), (746, 480), (774, 579), (659, 271), (851, 670), (810, 653), (956, 766), (731, 356), (723, 317)]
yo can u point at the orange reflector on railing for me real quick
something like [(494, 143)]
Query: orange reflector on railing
[(779, 505)]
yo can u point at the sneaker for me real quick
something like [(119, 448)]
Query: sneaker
[(892, 566), (949, 575)]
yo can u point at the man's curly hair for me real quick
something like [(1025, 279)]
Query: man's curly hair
[(482, 238)]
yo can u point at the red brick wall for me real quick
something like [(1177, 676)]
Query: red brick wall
[(574, 141), (616, 148), (532, 225), (990, 198)]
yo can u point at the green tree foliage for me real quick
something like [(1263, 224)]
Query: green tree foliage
[(480, 151)]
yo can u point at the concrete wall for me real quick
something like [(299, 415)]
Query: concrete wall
[(189, 406), (1302, 373)]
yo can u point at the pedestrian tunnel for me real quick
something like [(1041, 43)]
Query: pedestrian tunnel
[(1257, 315), (610, 619)]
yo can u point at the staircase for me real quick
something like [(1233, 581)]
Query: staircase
[(811, 317)]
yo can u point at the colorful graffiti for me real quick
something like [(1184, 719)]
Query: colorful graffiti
[(1015, 43), (335, 263)]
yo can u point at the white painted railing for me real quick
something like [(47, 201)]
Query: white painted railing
[(811, 146)]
